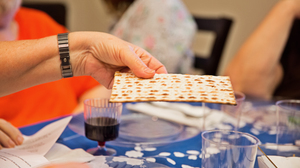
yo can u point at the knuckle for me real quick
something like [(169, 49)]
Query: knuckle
[(4, 140), (2, 121)]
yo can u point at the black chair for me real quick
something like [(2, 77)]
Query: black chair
[(221, 27), (56, 10), (290, 60)]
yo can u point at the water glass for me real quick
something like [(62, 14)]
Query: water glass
[(225, 148), (235, 111), (288, 127)]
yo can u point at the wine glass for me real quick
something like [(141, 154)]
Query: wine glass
[(101, 121)]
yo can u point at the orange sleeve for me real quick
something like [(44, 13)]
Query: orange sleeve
[(34, 24), (83, 83), (49, 100)]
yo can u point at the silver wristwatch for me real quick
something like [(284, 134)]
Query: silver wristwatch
[(63, 46)]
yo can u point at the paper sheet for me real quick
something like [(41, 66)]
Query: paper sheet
[(31, 152), (14, 158), (43, 140)]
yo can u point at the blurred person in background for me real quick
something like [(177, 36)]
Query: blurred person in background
[(165, 29), (49, 100), (263, 67)]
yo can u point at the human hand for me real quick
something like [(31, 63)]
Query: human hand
[(100, 55), (10, 136)]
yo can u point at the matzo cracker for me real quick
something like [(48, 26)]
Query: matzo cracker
[(172, 87)]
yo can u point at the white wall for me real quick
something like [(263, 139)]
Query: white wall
[(247, 14), (83, 15)]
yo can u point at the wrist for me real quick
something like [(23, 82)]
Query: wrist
[(82, 52), (76, 48), (63, 47)]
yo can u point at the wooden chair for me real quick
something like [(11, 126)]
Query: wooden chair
[(56, 10), (221, 27)]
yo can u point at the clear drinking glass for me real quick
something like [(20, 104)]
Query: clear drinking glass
[(225, 148), (102, 120), (235, 111), (288, 127)]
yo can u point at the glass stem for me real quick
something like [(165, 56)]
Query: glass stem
[(101, 145)]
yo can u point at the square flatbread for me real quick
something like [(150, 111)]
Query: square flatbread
[(172, 87)]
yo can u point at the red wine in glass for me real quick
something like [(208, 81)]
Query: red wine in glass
[(102, 124)]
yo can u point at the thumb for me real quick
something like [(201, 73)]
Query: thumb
[(137, 66)]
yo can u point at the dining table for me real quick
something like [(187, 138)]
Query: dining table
[(182, 152)]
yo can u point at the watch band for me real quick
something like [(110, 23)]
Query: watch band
[(63, 46)]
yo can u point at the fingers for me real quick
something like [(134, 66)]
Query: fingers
[(151, 61), (10, 136), (141, 63), (103, 54), (138, 67)]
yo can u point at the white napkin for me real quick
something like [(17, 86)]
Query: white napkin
[(60, 153), (279, 161), (174, 112)]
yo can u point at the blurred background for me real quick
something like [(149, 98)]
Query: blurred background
[(92, 15)]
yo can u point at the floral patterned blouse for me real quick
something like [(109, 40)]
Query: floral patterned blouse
[(165, 28)]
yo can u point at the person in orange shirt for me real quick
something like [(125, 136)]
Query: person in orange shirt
[(49, 100)]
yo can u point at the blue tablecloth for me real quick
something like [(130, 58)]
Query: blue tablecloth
[(178, 154)]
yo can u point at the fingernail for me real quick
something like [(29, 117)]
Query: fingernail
[(20, 139), (148, 70), (11, 144)]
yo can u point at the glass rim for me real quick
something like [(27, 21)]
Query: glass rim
[(240, 93), (242, 146), (294, 101), (288, 100), (107, 105)]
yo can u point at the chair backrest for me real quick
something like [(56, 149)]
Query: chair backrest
[(221, 27), (56, 10), (290, 59)]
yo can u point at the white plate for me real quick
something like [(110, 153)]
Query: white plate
[(142, 129)]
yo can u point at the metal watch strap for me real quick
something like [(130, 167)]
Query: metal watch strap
[(63, 46)]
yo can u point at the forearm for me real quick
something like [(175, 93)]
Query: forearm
[(27, 63), (256, 67), (267, 42)]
